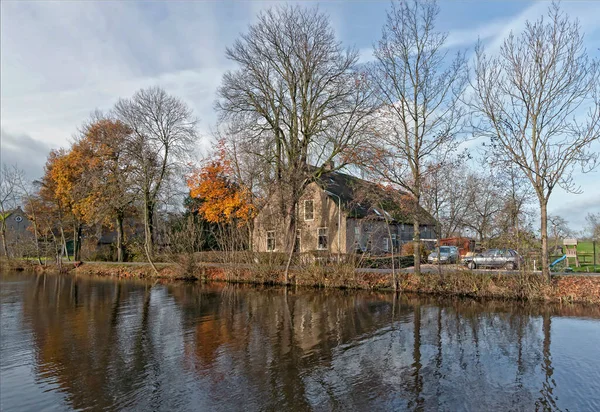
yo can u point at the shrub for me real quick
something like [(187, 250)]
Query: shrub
[(408, 250)]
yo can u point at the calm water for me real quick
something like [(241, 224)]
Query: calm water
[(100, 344)]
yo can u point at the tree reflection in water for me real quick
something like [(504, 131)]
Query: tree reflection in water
[(107, 344)]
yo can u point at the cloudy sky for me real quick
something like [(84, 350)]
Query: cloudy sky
[(61, 60)]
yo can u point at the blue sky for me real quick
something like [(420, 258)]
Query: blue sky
[(61, 60)]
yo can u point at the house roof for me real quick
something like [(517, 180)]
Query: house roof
[(361, 198)]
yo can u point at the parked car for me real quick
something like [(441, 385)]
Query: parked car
[(508, 259), (447, 254)]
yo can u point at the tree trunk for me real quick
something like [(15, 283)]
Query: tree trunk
[(64, 243), (148, 226), (36, 234), (417, 245), (4, 242), (148, 229), (77, 242), (290, 241), (544, 235), (120, 248)]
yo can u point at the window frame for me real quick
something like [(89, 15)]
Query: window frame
[(326, 235), (386, 244), (273, 239), (298, 243), (312, 209)]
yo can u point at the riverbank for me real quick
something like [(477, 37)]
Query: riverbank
[(523, 287)]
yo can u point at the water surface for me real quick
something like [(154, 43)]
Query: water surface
[(102, 344)]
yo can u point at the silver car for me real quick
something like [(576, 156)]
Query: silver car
[(508, 259), (447, 254)]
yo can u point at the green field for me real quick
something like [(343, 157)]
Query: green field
[(588, 247), (585, 253)]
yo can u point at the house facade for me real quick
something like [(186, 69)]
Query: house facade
[(337, 214), (18, 235)]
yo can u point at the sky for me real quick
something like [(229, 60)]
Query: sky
[(62, 60)]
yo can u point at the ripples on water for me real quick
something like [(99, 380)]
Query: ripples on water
[(101, 344)]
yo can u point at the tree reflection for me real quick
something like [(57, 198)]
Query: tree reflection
[(110, 344), (547, 399)]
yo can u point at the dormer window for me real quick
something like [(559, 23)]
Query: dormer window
[(309, 210)]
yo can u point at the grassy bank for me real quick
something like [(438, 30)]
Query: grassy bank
[(525, 287)]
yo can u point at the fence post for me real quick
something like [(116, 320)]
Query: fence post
[(594, 243)]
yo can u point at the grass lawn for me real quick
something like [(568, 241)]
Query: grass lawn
[(585, 254), (588, 247)]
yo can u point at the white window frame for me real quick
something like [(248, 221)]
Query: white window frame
[(326, 238), (267, 241), (386, 244), (313, 209)]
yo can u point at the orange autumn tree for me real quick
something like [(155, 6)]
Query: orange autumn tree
[(101, 152), (222, 200), (62, 187)]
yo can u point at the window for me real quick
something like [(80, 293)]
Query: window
[(270, 241), (357, 233), (394, 241), (386, 244), (322, 238), (308, 210), (297, 244)]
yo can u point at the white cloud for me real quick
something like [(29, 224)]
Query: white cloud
[(62, 60)]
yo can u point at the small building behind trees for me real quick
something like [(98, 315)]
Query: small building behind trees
[(18, 235), (373, 219)]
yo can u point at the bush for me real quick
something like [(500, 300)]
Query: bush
[(386, 262), (408, 250)]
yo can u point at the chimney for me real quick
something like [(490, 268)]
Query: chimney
[(330, 165)]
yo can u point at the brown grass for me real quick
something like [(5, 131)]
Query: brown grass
[(524, 287)]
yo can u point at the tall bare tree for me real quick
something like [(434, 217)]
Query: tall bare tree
[(539, 101), (163, 133), (419, 89), (10, 176), (299, 98)]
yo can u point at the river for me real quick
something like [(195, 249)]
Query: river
[(103, 344)]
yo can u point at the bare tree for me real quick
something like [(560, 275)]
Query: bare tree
[(28, 192), (560, 229), (299, 99), (10, 176), (539, 102), (163, 133), (419, 89), (593, 221), (446, 194), (486, 199)]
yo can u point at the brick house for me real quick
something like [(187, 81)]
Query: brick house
[(362, 225)]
